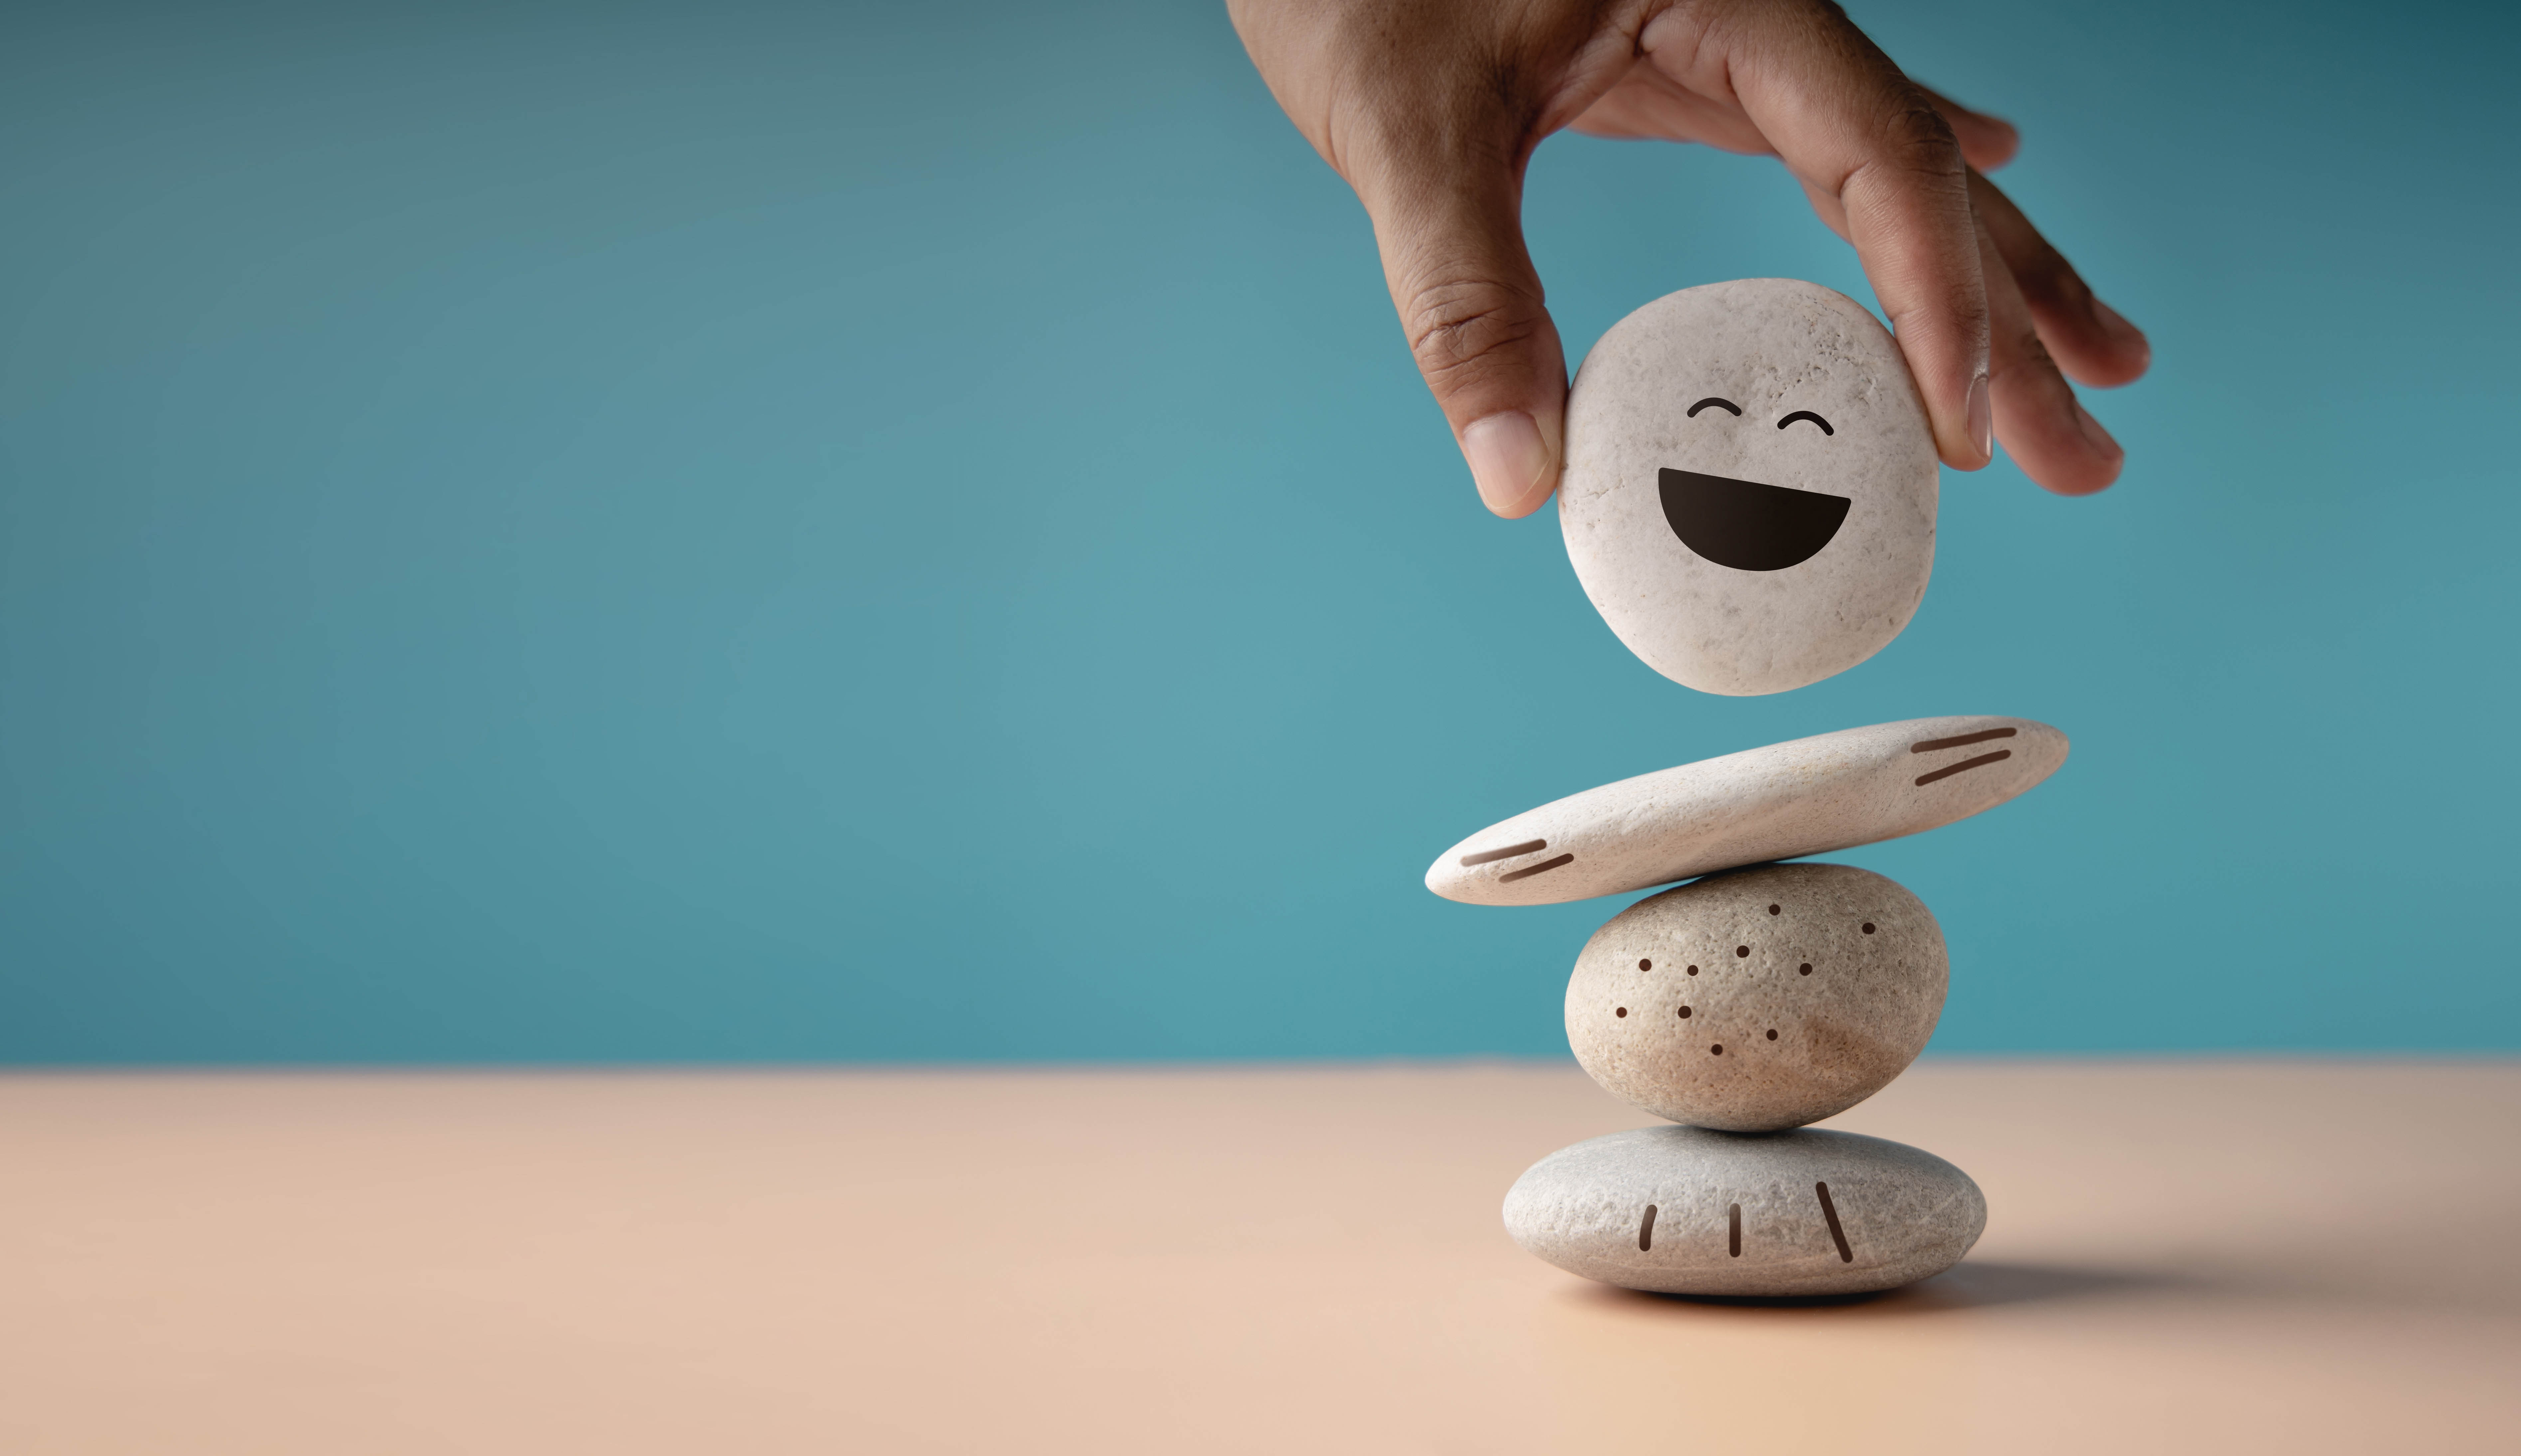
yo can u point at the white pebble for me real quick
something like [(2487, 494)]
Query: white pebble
[(1809, 796), (1749, 489), (1687, 1211), (1760, 999)]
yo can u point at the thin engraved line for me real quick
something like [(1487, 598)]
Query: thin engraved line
[(1962, 742), (1838, 1236), (1646, 1231), (1545, 865), (1734, 1216), (1491, 857), (1965, 766)]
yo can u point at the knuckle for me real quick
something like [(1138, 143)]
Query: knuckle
[(2027, 356), (2049, 281), (1916, 137), (1459, 328), (1913, 148)]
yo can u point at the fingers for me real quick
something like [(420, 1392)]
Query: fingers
[(2086, 335), (1431, 108), (1871, 146), (1647, 103), (1471, 304), (1986, 142), (2048, 435)]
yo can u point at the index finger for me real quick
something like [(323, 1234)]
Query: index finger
[(1884, 168), (1986, 142)]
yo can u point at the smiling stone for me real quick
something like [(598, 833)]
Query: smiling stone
[(1748, 493)]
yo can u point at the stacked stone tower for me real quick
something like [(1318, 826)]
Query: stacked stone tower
[(1750, 1002)]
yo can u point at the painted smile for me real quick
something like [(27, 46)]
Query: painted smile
[(1746, 525)]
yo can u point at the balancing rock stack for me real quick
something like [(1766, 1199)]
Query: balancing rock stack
[(1765, 995), (1750, 1002)]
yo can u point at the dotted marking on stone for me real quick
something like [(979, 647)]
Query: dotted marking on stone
[(1541, 868), (1773, 1033), (1868, 928), (1773, 910), (1932, 745), (1743, 952), (1965, 766), (1645, 1230), (1491, 857), (1645, 965), (1621, 1010), (1837, 1235), (1716, 1050), (1685, 1013), (1733, 1216), (1804, 969), (1693, 969)]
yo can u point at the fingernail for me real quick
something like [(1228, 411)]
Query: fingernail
[(2093, 431), (1982, 417), (1507, 458)]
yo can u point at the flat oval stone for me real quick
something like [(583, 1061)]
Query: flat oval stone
[(1750, 481), (1809, 796), (1760, 999), (1682, 1211)]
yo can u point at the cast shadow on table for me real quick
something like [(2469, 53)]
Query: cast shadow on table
[(1974, 1284)]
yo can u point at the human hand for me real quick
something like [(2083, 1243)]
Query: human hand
[(1431, 108)]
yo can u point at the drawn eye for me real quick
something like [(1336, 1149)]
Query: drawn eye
[(1807, 415), (1721, 404)]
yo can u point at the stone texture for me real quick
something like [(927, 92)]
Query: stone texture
[(1760, 999), (1809, 796), (1744, 1215), (1815, 586)]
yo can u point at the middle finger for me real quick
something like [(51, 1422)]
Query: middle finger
[(2037, 418)]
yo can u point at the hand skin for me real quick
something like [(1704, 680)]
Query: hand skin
[(1431, 110)]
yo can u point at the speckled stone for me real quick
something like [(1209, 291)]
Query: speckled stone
[(1684, 1210), (1809, 796), (1760, 999), (1750, 553)]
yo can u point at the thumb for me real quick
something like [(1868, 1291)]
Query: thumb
[(1471, 303)]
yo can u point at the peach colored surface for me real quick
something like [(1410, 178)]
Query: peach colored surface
[(2179, 1258)]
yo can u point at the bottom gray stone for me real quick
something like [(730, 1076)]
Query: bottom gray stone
[(1687, 1211)]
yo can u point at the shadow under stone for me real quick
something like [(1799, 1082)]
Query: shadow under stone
[(1974, 1284)]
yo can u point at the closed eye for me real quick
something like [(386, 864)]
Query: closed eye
[(1807, 415), (1720, 404)]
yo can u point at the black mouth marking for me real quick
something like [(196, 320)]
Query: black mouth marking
[(1746, 525)]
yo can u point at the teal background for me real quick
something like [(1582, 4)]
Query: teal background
[(564, 533)]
